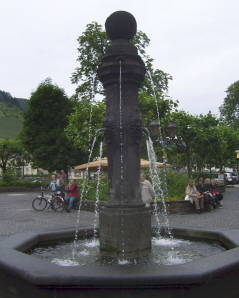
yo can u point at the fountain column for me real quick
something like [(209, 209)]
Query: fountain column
[(125, 223)]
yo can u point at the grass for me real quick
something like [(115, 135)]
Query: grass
[(10, 127)]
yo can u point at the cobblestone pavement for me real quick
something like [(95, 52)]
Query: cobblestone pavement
[(17, 215)]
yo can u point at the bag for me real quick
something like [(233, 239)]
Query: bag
[(186, 198)]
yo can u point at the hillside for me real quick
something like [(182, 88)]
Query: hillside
[(10, 127), (11, 118), (23, 103), (8, 110), (11, 115)]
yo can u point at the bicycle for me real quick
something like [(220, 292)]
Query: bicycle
[(56, 202)]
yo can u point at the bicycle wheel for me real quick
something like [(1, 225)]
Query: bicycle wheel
[(39, 204), (58, 204)]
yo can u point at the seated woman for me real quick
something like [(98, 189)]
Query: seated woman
[(194, 196), (215, 193), (214, 201), (207, 198)]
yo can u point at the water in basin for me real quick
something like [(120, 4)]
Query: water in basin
[(165, 251)]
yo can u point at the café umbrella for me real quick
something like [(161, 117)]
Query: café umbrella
[(103, 165)]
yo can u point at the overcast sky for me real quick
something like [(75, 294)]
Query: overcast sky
[(195, 41)]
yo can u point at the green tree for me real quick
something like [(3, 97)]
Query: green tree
[(9, 150), (187, 136), (230, 108), (86, 119), (230, 139), (43, 129), (92, 45), (204, 141), (159, 108)]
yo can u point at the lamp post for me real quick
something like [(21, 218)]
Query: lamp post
[(171, 130)]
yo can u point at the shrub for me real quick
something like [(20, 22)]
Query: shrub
[(90, 189), (8, 176), (22, 183), (176, 184)]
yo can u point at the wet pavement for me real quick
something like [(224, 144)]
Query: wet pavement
[(17, 215)]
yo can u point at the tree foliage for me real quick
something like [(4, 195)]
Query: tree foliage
[(230, 108), (43, 129), (9, 149), (92, 45), (86, 119), (204, 141)]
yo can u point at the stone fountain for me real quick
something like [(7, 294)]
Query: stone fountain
[(124, 225)]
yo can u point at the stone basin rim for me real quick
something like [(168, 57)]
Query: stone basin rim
[(39, 272)]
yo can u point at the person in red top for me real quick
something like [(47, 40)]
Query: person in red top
[(73, 191)]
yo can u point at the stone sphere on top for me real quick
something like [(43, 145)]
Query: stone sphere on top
[(121, 25)]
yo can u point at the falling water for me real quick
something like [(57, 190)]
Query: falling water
[(121, 150), (92, 98), (157, 185), (81, 196), (97, 192), (159, 121), (91, 147), (121, 129), (156, 103)]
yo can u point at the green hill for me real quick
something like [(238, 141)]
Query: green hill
[(23, 103), (8, 110), (10, 127), (11, 115)]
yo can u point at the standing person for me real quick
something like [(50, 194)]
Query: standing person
[(63, 176), (52, 185), (195, 196), (73, 192), (147, 190), (59, 183)]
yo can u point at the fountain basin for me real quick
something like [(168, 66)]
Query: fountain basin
[(23, 275)]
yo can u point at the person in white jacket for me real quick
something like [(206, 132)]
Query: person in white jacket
[(147, 190)]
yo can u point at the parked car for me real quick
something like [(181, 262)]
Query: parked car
[(231, 178), (219, 178)]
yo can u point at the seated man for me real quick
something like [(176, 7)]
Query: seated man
[(73, 191)]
